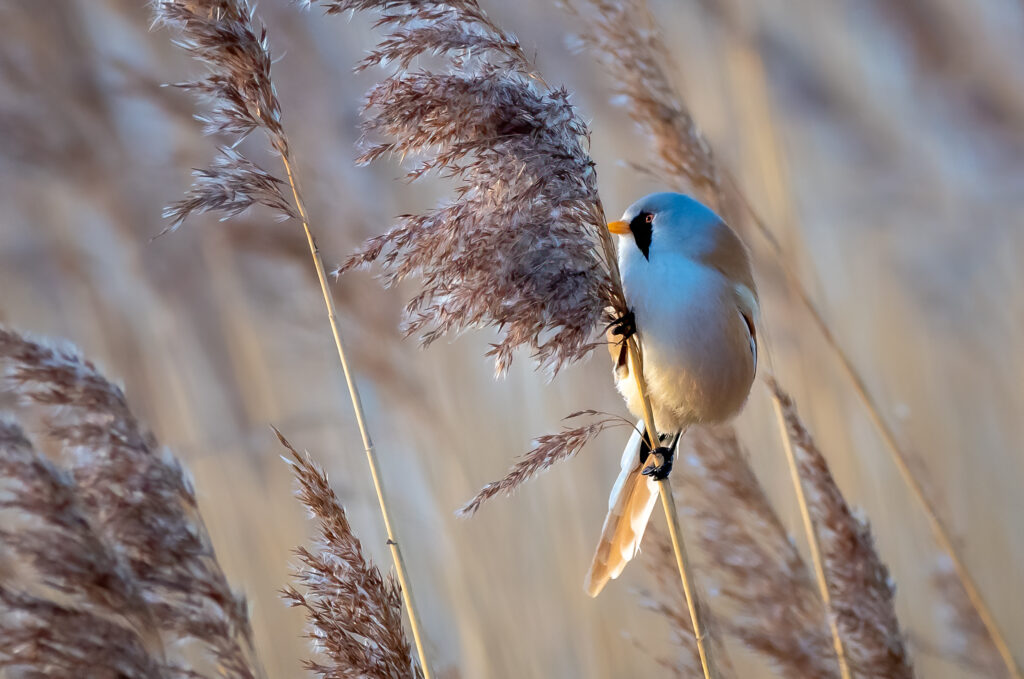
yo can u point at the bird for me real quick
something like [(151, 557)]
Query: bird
[(693, 307)]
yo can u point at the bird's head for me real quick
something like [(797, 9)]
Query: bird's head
[(669, 222)]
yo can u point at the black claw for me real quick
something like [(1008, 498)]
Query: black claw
[(661, 471), (624, 326)]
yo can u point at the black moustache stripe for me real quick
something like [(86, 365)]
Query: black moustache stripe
[(641, 229)]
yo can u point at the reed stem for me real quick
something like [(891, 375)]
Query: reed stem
[(357, 406), (672, 517), (812, 539)]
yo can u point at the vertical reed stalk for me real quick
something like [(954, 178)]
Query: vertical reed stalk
[(357, 406), (672, 518), (812, 541)]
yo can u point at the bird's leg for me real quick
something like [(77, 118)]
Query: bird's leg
[(624, 326), (660, 472), (666, 454)]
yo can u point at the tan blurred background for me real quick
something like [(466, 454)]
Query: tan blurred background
[(882, 141)]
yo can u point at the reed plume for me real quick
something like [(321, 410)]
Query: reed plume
[(115, 535), (522, 247), (548, 450), (226, 36), (622, 36), (765, 595), (969, 643), (860, 589), (70, 606), (227, 39), (354, 614)]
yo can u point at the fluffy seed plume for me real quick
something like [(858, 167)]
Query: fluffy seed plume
[(231, 185), (134, 497), (548, 450), (764, 593), (622, 36), (967, 643), (101, 626), (522, 246), (355, 614), (239, 96), (859, 584)]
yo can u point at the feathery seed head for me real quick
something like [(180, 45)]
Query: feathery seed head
[(522, 245)]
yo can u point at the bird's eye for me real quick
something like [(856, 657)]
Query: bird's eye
[(649, 218)]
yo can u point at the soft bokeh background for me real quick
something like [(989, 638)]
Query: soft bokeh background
[(882, 142)]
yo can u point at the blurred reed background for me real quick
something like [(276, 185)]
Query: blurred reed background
[(881, 142)]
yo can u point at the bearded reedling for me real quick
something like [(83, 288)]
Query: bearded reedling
[(693, 305)]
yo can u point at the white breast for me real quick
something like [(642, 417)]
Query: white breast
[(696, 346)]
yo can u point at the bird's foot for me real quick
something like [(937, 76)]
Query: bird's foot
[(660, 471), (624, 326)]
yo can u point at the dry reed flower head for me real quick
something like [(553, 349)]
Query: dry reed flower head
[(622, 36), (237, 89), (522, 246), (70, 603), (548, 450), (764, 593), (354, 613), (970, 644), (122, 505), (862, 591)]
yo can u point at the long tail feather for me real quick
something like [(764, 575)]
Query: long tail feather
[(629, 509)]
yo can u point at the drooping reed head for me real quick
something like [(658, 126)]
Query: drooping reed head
[(623, 37), (238, 96), (522, 245), (859, 584), (116, 528), (354, 613), (764, 593)]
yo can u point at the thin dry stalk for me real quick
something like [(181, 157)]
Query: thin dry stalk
[(860, 590), (523, 247), (939, 531), (664, 601), (668, 504), (226, 37), (120, 529), (812, 535), (355, 614)]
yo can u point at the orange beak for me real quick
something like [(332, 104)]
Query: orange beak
[(621, 228)]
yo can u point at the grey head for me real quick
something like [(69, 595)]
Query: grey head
[(670, 222)]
